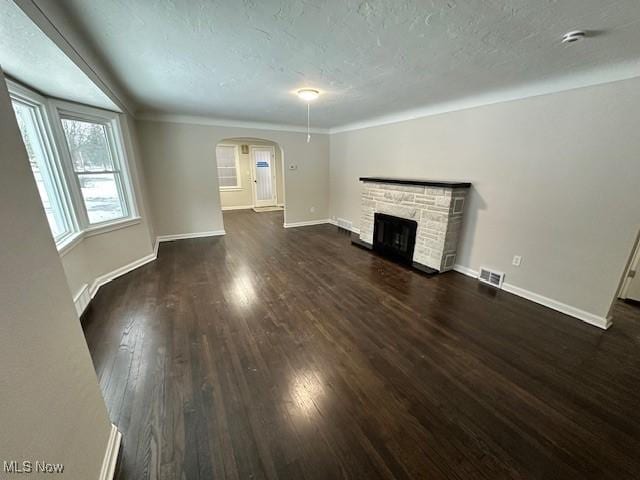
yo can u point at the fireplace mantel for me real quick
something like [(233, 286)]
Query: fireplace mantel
[(419, 182)]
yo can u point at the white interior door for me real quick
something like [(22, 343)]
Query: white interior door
[(264, 176)]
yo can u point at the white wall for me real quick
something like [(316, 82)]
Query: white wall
[(101, 254), (555, 179), (51, 407), (179, 163)]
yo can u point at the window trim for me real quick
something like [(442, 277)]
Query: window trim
[(238, 185), (46, 136), (49, 116), (60, 110)]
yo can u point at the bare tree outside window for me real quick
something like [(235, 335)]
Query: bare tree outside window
[(98, 174)]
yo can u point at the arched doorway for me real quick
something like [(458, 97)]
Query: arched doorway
[(250, 174)]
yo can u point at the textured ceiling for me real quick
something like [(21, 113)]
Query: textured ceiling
[(241, 59), (27, 55)]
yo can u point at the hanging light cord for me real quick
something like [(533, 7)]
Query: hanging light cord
[(308, 125)]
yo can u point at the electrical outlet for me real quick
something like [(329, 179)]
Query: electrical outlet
[(312, 209), (517, 260)]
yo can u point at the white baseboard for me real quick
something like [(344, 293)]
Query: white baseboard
[(352, 229), (181, 236), (82, 299), (590, 318), (307, 223), (466, 271), (240, 207), (111, 455), (600, 322), (107, 277)]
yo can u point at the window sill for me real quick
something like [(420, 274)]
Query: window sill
[(111, 226), (230, 189), (69, 243)]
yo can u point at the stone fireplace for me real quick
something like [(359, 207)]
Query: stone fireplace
[(437, 208)]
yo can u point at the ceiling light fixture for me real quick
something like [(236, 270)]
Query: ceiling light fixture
[(308, 95), (573, 36)]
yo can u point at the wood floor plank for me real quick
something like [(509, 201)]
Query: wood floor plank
[(290, 354)]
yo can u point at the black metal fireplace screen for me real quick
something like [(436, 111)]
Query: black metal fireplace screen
[(394, 237)]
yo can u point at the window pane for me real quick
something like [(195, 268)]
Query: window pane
[(227, 171), (101, 196), (228, 182), (88, 146), (41, 166), (226, 158)]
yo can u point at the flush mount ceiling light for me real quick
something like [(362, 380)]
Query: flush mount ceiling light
[(308, 94), (573, 36)]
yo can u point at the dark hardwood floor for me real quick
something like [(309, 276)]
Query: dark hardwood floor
[(272, 353)]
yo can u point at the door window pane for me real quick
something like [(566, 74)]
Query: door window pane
[(42, 167)]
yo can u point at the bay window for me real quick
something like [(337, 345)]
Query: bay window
[(78, 160)]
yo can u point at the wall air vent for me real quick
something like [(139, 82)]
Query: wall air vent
[(491, 277)]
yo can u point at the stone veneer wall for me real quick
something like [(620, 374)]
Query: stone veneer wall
[(432, 207)]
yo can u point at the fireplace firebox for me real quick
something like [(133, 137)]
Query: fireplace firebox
[(394, 237)]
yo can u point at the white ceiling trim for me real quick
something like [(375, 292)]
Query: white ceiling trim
[(220, 122), (623, 71)]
